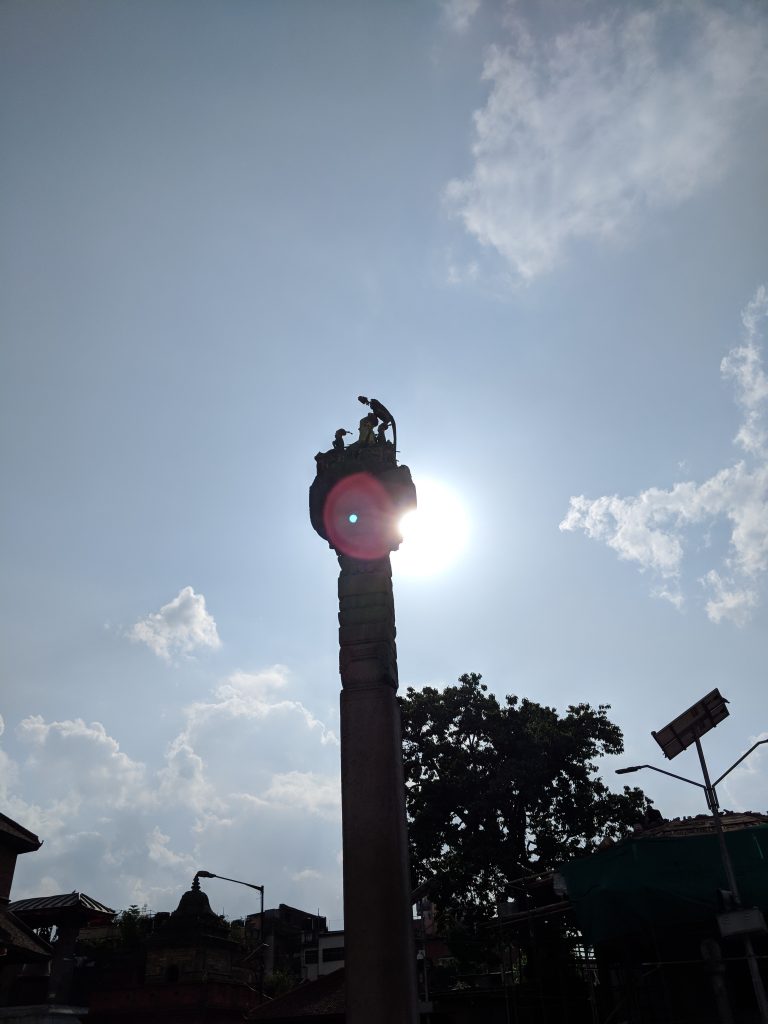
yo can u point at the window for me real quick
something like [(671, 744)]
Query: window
[(333, 954), (310, 956)]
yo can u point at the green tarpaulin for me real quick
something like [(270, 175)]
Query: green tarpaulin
[(646, 884)]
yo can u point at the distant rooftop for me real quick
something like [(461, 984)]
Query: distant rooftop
[(47, 909), (321, 998), (702, 824)]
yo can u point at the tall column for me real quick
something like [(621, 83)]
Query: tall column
[(356, 501), (378, 950)]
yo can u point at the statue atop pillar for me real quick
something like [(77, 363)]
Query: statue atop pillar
[(360, 493), (380, 414)]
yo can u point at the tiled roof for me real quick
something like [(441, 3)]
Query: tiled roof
[(321, 998), (702, 824)]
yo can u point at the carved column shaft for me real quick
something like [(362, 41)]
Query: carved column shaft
[(379, 953)]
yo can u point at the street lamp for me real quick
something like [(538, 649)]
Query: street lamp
[(678, 735), (682, 778), (661, 771), (260, 890)]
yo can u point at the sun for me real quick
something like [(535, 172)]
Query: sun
[(435, 534)]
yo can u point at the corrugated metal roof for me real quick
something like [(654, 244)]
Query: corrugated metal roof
[(67, 901)]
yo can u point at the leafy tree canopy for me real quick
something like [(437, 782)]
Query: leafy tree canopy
[(498, 791)]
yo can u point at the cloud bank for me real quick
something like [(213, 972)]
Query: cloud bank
[(585, 131), (250, 777), (651, 528), (182, 626)]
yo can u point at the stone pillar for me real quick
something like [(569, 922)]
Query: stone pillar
[(378, 947), (356, 502)]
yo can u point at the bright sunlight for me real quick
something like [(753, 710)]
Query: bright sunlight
[(435, 534)]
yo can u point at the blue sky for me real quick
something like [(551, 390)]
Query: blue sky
[(537, 232)]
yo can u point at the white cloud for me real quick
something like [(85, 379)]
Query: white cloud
[(8, 772), (218, 737), (650, 529), (745, 788), (306, 791), (743, 364), (182, 626), (127, 831), (82, 762), (74, 787), (585, 131), (48, 887), (459, 13), (252, 695), (733, 604), (307, 874), (183, 780), (161, 853)]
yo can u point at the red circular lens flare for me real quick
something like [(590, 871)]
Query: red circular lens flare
[(360, 518)]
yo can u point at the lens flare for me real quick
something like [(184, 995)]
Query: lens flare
[(359, 517)]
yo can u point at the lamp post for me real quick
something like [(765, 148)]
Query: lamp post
[(711, 795), (260, 890), (686, 730)]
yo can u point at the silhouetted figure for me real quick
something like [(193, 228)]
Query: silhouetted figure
[(367, 423), (338, 438), (381, 412)]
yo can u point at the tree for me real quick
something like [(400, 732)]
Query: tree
[(496, 792), (133, 925)]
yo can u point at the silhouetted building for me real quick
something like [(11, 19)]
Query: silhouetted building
[(58, 919), (194, 973), (312, 1002), (283, 935), (324, 956), (20, 947)]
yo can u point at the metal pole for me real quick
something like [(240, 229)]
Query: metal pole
[(261, 940), (754, 970), (260, 889), (424, 947)]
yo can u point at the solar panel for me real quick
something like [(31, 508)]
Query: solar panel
[(696, 721)]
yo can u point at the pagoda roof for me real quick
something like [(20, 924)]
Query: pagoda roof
[(44, 910), (20, 942), (17, 837)]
